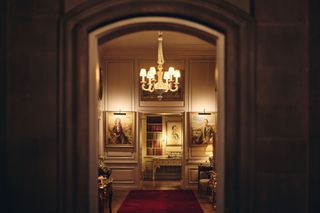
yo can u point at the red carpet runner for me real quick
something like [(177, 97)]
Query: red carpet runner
[(160, 201)]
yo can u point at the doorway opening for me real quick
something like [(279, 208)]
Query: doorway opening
[(133, 166), (82, 29), (161, 138)]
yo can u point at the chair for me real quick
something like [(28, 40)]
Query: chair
[(204, 177)]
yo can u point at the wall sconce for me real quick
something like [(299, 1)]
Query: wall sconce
[(204, 112), (120, 113)]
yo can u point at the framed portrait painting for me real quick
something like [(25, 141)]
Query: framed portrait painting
[(174, 134), (203, 128), (119, 128)]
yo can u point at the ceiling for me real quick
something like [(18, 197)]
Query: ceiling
[(149, 39)]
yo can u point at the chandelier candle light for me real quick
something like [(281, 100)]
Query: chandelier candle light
[(165, 80)]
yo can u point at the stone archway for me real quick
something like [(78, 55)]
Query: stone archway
[(75, 94)]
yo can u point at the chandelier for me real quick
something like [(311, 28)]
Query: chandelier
[(160, 81)]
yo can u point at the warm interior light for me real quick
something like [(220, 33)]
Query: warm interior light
[(164, 138), (209, 150), (143, 72), (166, 76), (149, 76), (177, 74), (158, 84), (171, 70), (153, 70)]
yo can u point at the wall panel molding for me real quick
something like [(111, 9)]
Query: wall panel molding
[(192, 175), (119, 155), (123, 175), (119, 89)]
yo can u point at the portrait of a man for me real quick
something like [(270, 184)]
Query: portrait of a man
[(207, 133), (119, 129), (203, 128)]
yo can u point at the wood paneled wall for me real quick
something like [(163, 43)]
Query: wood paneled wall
[(119, 85), (122, 79), (122, 93)]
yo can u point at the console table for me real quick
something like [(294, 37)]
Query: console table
[(157, 162)]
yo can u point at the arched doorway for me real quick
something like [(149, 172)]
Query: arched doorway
[(78, 89), (105, 33)]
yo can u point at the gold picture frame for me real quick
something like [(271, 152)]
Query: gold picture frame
[(202, 128), (119, 129)]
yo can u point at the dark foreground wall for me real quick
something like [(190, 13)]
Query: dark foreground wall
[(31, 106), (314, 86), (287, 79), (281, 150), (2, 96)]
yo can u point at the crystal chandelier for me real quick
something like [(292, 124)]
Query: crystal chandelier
[(165, 80)]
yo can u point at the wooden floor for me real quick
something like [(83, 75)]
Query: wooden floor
[(120, 195)]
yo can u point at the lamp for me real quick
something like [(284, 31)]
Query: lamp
[(165, 81)]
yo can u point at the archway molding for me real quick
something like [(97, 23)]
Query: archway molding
[(77, 160)]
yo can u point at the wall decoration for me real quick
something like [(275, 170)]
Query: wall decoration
[(203, 128), (167, 97), (120, 129), (174, 134)]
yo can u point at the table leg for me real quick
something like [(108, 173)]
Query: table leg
[(110, 201), (154, 172), (198, 179)]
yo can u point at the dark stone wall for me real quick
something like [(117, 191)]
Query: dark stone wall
[(242, 4), (314, 85), (70, 4), (2, 98), (31, 106), (281, 148)]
